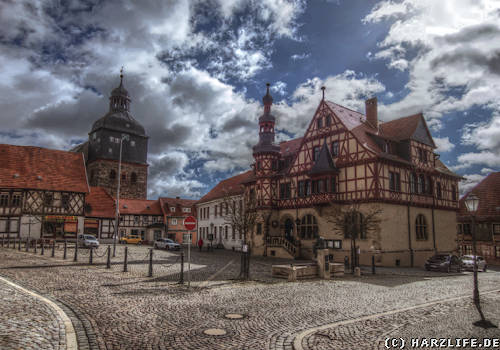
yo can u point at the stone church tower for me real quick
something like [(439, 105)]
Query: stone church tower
[(103, 153)]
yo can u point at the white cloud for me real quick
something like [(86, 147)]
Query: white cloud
[(298, 57), (470, 181), (443, 144), (450, 49), (279, 87)]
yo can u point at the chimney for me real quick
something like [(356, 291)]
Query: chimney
[(371, 112), (177, 197)]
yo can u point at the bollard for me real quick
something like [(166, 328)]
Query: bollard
[(182, 268), (8, 243), (125, 260), (27, 245), (36, 243), (3, 238), (150, 272), (19, 244), (108, 262), (373, 264), (53, 248), (91, 256), (43, 248), (65, 250), (75, 258)]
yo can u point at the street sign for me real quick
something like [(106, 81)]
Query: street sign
[(190, 223)]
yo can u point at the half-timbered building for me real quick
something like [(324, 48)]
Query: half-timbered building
[(487, 220), (42, 193), (345, 158), (100, 214), (141, 217)]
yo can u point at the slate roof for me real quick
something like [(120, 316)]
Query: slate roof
[(324, 164), (41, 168), (488, 192), (99, 203), (232, 186), (140, 207)]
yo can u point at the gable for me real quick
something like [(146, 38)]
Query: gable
[(337, 125), (422, 134)]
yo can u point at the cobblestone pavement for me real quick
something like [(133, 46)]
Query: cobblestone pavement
[(443, 320), (131, 311), (27, 322)]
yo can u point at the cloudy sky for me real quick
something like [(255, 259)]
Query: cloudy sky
[(196, 71)]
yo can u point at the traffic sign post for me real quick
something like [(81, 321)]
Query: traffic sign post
[(189, 225)]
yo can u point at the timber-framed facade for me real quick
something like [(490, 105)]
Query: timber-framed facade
[(346, 157), (42, 193)]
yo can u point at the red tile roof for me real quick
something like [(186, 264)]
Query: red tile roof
[(488, 192), (402, 128), (140, 207), (42, 168), (100, 203), (290, 147), (232, 186), (178, 203)]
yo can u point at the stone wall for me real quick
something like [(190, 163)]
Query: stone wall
[(99, 171)]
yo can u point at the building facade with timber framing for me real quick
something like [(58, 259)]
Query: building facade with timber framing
[(42, 193), (345, 158)]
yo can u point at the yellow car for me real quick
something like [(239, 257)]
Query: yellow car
[(131, 239)]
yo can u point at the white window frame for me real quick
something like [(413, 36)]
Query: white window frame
[(173, 221)]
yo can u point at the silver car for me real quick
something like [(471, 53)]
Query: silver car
[(166, 243), (468, 263), (88, 241)]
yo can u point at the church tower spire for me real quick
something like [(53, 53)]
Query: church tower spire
[(119, 101)]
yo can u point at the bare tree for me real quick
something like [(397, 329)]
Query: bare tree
[(353, 223), (239, 211)]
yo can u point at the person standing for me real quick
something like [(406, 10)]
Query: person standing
[(200, 244)]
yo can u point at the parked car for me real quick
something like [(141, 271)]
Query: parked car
[(468, 263), (444, 262), (133, 239), (87, 241), (167, 243)]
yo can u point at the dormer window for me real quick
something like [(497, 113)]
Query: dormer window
[(387, 147), (319, 123), (172, 209)]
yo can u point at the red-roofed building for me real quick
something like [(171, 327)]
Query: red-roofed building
[(213, 227), (100, 213), (141, 217), (42, 192), (346, 158), (175, 210), (487, 220)]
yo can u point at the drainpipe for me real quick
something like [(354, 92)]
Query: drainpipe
[(409, 236)]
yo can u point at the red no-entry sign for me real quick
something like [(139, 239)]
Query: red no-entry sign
[(190, 223)]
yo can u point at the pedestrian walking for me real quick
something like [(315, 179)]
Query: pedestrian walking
[(200, 244)]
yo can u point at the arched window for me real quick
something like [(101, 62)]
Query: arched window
[(308, 227), (133, 178), (112, 175), (288, 228), (421, 227)]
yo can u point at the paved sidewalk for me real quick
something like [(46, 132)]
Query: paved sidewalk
[(27, 322)]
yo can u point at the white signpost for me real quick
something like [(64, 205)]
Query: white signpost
[(189, 225)]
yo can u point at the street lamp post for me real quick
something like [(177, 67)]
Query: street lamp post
[(124, 137), (472, 204)]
